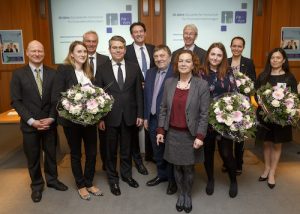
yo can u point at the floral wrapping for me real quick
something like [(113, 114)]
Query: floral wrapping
[(233, 117), (84, 105), (279, 105)]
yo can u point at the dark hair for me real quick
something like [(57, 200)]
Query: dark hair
[(117, 38), (223, 67), (239, 38), (195, 59), (86, 65), (137, 24), (268, 68), (162, 47)]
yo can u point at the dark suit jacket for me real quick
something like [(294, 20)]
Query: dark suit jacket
[(149, 88), (197, 104), (201, 53), (101, 59), (128, 104), (246, 67), (25, 97), (65, 78), (131, 56)]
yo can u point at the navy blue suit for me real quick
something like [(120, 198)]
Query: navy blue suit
[(158, 151)]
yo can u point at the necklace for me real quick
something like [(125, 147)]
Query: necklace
[(184, 85)]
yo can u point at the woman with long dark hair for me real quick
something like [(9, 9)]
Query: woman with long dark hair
[(277, 73), (219, 76)]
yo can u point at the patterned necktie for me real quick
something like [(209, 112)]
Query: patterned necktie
[(39, 81), (120, 76), (157, 86), (144, 62), (92, 63)]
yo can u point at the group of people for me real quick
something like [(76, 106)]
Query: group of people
[(166, 96)]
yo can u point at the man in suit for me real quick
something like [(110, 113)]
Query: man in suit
[(122, 80), (153, 92), (190, 33), (142, 54), (30, 89), (90, 39)]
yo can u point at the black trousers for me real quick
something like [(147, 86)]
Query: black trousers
[(226, 152), (102, 147), (136, 152), (74, 136), (114, 136), (33, 142)]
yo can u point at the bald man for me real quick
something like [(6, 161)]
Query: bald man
[(30, 90)]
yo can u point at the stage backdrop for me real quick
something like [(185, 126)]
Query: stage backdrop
[(71, 18), (216, 20)]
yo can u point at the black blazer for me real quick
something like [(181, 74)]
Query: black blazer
[(201, 53), (65, 78), (128, 103), (246, 67), (25, 97), (101, 59)]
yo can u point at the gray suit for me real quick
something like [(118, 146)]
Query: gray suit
[(196, 113)]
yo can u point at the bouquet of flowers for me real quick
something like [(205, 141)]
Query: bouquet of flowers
[(244, 83), (233, 117), (279, 105), (84, 105)]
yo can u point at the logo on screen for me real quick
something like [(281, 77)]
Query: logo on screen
[(125, 19)]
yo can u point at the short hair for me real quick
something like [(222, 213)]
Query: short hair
[(192, 26), (137, 24), (239, 38), (195, 59), (162, 47), (90, 32), (117, 38)]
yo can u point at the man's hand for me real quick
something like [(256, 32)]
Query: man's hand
[(101, 125), (146, 125), (159, 139), (139, 122)]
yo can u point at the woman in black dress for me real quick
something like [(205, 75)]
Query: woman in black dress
[(276, 72)]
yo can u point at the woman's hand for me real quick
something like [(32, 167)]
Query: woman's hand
[(197, 143), (159, 139)]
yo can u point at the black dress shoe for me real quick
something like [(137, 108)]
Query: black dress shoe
[(115, 189), (58, 186), (271, 186), (141, 169), (262, 178), (155, 181), (233, 190), (36, 196), (172, 188), (131, 182), (210, 186)]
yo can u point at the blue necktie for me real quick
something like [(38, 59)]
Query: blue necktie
[(144, 62), (157, 86)]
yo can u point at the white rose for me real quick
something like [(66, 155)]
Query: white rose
[(275, 103), (247, 90), (77, 96), (229, 107), (228, 121)]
